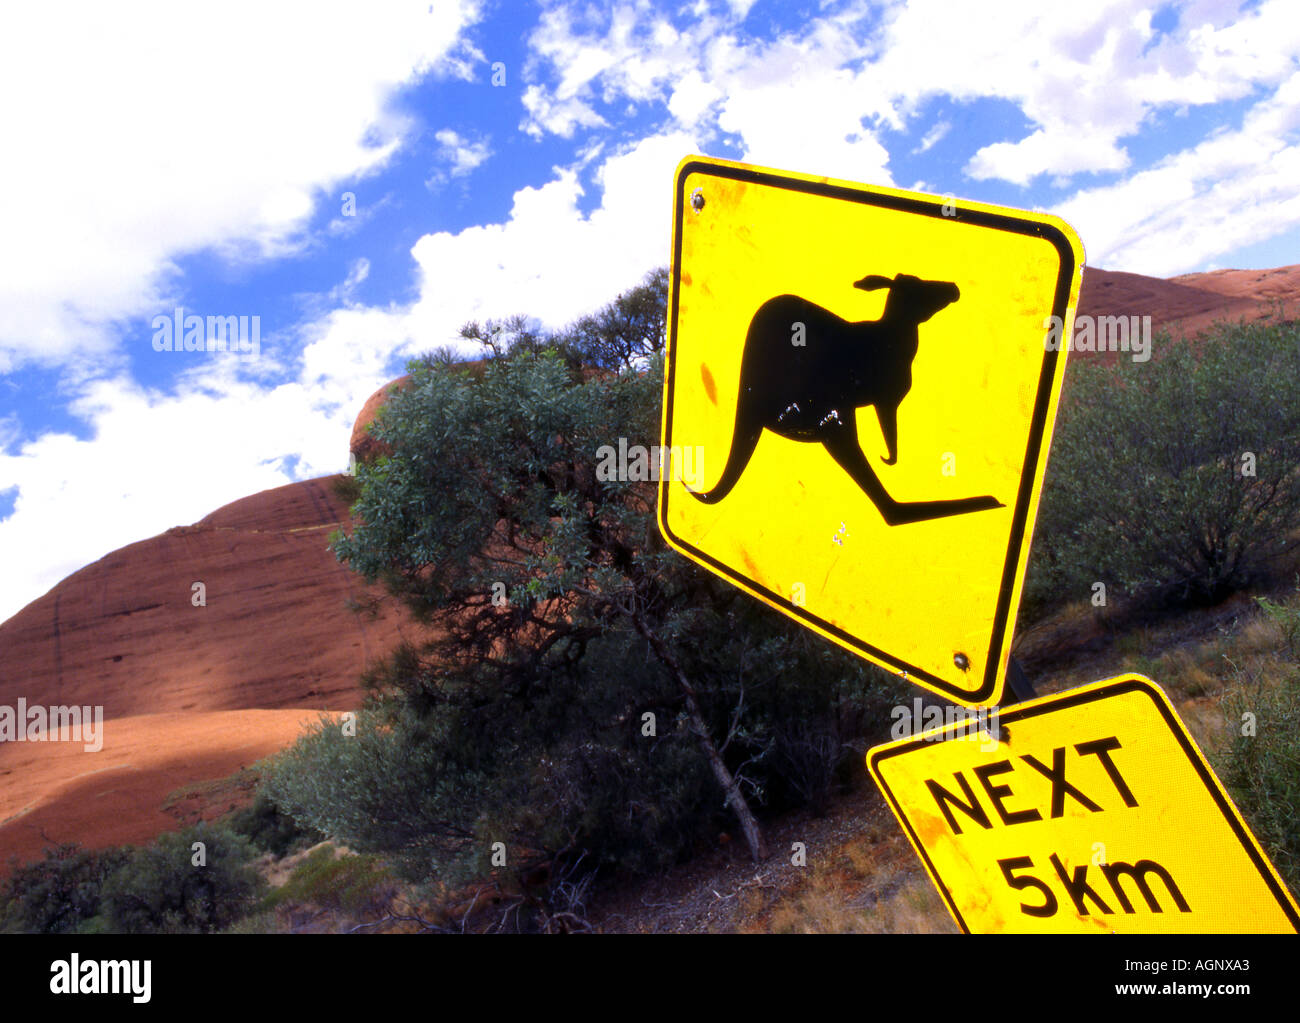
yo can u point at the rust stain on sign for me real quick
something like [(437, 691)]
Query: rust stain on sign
[(710, 388)]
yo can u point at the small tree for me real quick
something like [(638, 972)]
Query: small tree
[(627, 331), (513, 334), (490, 513), (589, 699)]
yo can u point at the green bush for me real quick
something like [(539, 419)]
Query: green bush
[(262, 921), (161, 889), (1287, 619), (1145, 490), (59, 894), (811, 709), (268, 829), (562, 766)]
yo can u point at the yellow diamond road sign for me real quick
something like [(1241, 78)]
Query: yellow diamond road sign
[(1095, 812), (859, 395)]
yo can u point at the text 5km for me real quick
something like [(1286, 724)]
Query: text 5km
[(1082, 894)]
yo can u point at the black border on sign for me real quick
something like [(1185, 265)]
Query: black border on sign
[(1033, 450), (1018, 713)]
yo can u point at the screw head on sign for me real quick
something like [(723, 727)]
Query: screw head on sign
[(697, 200), (962, 662)]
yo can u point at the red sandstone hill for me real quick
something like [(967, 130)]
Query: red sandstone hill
[(194, 693), (1192, 303), (189, 692), (363, 446)]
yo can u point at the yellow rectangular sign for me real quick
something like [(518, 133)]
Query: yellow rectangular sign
[(858, 401), (1092, 811)]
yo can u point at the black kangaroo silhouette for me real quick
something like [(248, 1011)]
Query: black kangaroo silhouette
[(811, 392)]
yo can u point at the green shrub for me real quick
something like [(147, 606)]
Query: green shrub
[(59, 894), (257, 922), (1287, 619), (1145, 489), (345, 488), (268, 829), (562, 766), (558, 765), (161, 888)]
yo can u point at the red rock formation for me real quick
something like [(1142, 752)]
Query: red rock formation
[(1192, 303), (1281, 283), (363, 446), (124, 633), (276, 631)]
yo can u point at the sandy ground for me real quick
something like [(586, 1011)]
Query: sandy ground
[(57, 791)]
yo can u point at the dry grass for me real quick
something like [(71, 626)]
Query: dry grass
[(833, 903), (915, 909), (819, 907), (1260, 636), (1137, 642), (1184, 674), (870, 884), (873, 883), (1204, 719)]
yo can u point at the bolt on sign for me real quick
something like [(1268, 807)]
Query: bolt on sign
[(864, 381), (1092, 811)]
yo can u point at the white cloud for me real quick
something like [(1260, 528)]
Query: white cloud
[(460, 153), (933, 137), (793, 102), (10, 431), (1231, 190), (548, 260), (1057, 150), (155, 460), (349, 344), (137, 133), (634, 54), (692, 97), (222, 434), (773, 113), (550, 114), (1085, 81), (1084, 78), (355, 209), (359, 271)]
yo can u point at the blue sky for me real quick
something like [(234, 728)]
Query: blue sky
[(352, 176)]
